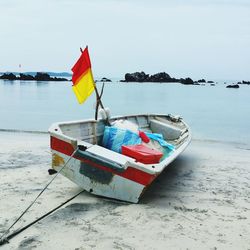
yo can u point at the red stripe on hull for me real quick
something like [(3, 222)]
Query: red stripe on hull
[(130, 173)]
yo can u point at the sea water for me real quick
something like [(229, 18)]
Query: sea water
[(212, 112)]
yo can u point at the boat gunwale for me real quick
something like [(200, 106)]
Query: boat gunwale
[(112, 118)]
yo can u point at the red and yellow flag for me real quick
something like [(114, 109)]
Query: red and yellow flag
[(82, 78)]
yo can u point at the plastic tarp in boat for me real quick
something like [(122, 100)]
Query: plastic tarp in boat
[(114, 138), (160, 139)]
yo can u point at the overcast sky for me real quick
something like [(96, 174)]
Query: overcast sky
[(201, 39)]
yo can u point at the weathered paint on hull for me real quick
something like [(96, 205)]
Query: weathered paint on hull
[(126, 185), (116, 187)]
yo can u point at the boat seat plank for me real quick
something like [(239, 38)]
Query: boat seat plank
[(168, 131)]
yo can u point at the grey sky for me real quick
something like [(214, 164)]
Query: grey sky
[(209, 38)]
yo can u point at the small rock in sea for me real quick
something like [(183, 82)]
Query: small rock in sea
[(104, 79), (246, 82), (202, 80), (234, 86), (187, 81)]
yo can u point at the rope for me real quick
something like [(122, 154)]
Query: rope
[(6, 239), (33, 202)]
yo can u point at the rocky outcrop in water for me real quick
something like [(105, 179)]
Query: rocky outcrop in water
[(26, 77), (104, 79), (201, 81), (163, 77), (136, 77), (234, 86), (187, 81), (38, 77), (244, 82), (8, 76), (158, 77)]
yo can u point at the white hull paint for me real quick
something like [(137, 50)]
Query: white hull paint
[(119, 188), (107, 173)]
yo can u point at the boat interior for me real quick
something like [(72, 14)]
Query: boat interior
[(173, 129)]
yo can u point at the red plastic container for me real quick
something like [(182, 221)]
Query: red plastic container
[(142, 153)]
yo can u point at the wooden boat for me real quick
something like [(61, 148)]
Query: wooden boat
[(107, 173)]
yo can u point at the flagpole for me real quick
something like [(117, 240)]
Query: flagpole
[(98, 97), (98, 101)]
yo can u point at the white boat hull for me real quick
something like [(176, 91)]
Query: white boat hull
[(101, 171)]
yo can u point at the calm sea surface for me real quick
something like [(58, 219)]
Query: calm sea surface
[(213, 112)]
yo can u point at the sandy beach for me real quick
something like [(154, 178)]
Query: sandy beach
[(200, 202)]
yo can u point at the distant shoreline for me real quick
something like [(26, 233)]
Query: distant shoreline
[(33, 73), (163, 77), (136, 77), (39, 76)]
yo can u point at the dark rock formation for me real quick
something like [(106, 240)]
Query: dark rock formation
[(26, 77), (136, 77), (244, 82), (46, 77), (160, 77), (58, 79), (235, 86), (8, 76), (38, 77), (104, 79), (187, 81), (42, 77), (202, 80), (210, 81)]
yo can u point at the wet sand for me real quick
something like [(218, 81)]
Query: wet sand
[(201, 201)]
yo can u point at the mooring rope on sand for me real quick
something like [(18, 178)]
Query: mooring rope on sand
[(5, 237)]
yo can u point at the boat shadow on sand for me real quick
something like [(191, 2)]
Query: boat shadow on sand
[(174, 180), (168, 186)]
